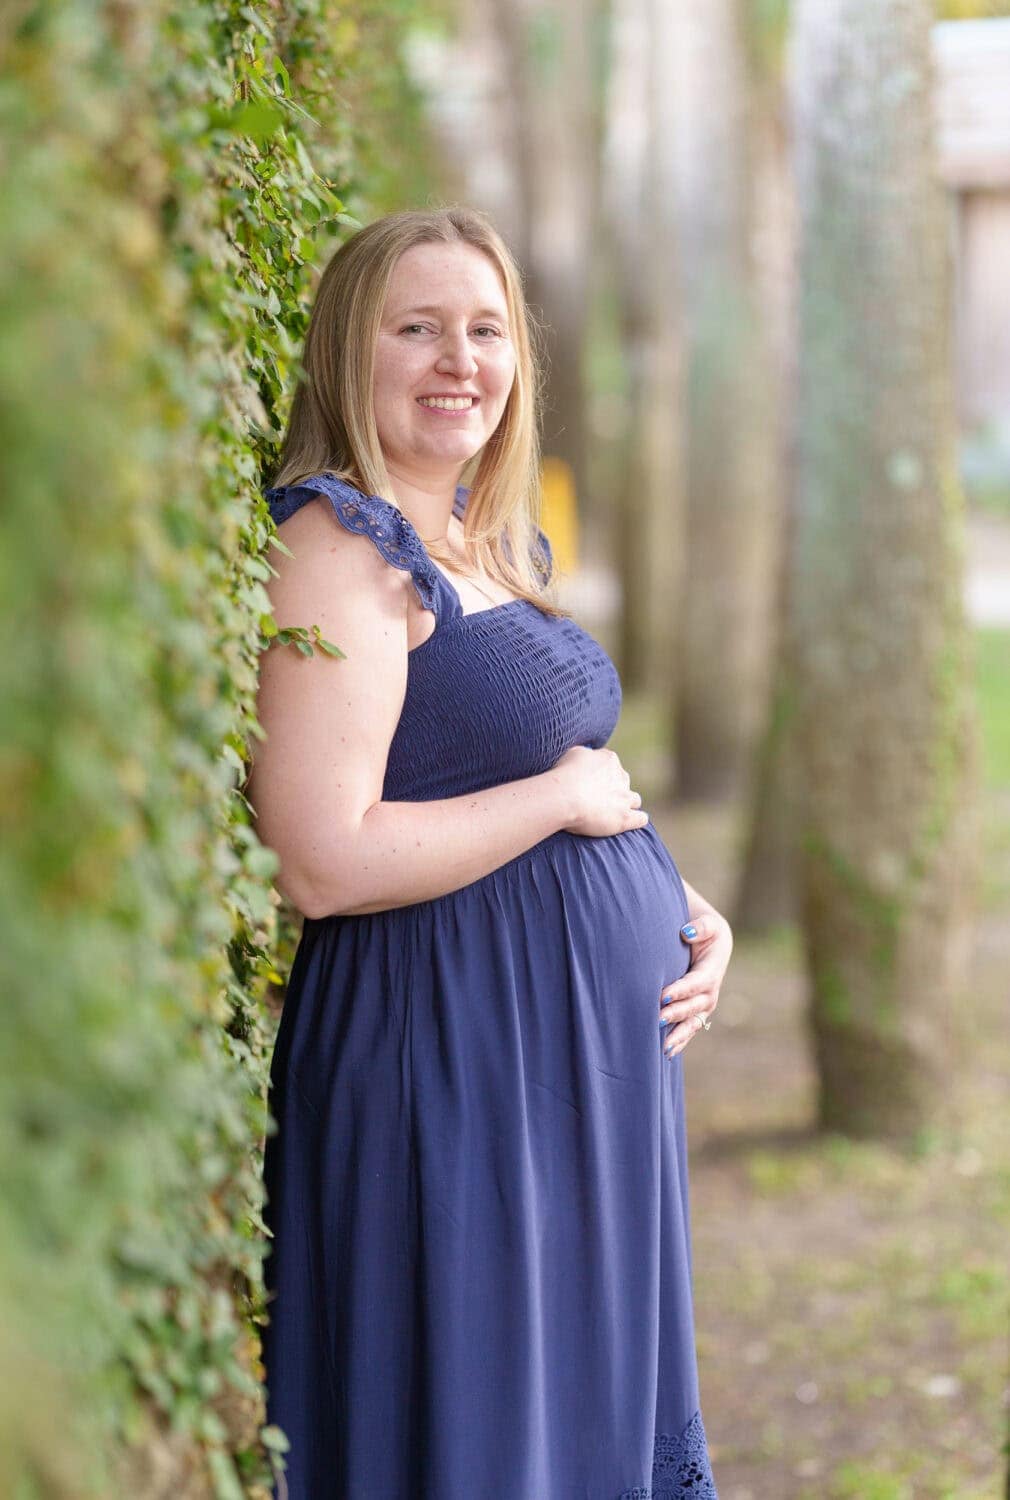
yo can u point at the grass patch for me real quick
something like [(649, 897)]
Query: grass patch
[(858, 1482), (773, 1174), (831, 1163), (979, 1294)]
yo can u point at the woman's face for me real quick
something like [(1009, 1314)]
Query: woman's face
[(444, 359)]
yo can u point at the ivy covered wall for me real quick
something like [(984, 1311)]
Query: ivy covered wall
[(172, 174)]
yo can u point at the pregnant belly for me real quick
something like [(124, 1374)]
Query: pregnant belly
[(575, 938), (625, 897)]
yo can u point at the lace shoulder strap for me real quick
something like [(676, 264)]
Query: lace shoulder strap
[(368, 515), (544, 563)]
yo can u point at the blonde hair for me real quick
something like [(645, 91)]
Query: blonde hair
[(332, 428)]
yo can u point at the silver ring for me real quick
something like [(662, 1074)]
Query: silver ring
[(706, 1023)]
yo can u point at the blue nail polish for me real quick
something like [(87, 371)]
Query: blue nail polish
[(664, 1023), (689, 929)]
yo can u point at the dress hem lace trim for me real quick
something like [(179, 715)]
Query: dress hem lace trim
[(680, 1467)]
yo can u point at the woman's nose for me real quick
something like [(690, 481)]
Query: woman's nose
[(456, 357)]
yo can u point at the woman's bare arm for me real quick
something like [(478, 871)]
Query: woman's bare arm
[(317, 781), (415, 851)]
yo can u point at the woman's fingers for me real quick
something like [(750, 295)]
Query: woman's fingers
[(700, 1004), (678, 1038), (700, 929), (697, 991), (687, 1004)]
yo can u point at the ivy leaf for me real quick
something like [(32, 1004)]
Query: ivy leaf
[(256, 118)]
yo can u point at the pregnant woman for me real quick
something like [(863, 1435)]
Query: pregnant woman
[(480, 1272)]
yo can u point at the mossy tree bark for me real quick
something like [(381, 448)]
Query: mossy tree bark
[(885, 731)]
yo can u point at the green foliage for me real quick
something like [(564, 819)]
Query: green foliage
[(855, 1481), (171, 173)]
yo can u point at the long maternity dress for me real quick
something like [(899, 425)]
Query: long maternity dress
[(480, 1268)]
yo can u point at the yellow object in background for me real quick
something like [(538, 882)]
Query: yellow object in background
[(559, 514)]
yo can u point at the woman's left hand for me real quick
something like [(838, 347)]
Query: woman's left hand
[(691, 1000)]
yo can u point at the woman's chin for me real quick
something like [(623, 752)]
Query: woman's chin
[(449, 451)]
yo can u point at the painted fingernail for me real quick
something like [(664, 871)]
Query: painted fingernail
[(689, 929)]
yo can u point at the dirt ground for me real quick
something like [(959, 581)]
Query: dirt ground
[(852, 1301)]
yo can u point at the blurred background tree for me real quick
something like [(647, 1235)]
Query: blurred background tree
[(727, 147), (885, 717)]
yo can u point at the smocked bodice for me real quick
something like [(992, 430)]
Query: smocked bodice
[(493, 695)]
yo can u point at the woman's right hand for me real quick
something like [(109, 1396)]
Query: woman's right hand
[(599, 789)]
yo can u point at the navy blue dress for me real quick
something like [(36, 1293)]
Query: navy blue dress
[(478, 1194)]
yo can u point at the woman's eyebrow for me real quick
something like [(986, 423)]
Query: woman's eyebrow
[(484, 312)]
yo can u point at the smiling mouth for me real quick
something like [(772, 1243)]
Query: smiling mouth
[(447, 403)]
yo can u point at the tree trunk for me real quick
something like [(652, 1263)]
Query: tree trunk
[(885, 731), (548, 45), (765, 894), (642, 239), (731, 478)]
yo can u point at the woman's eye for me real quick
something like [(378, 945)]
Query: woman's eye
[(485, 331)]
